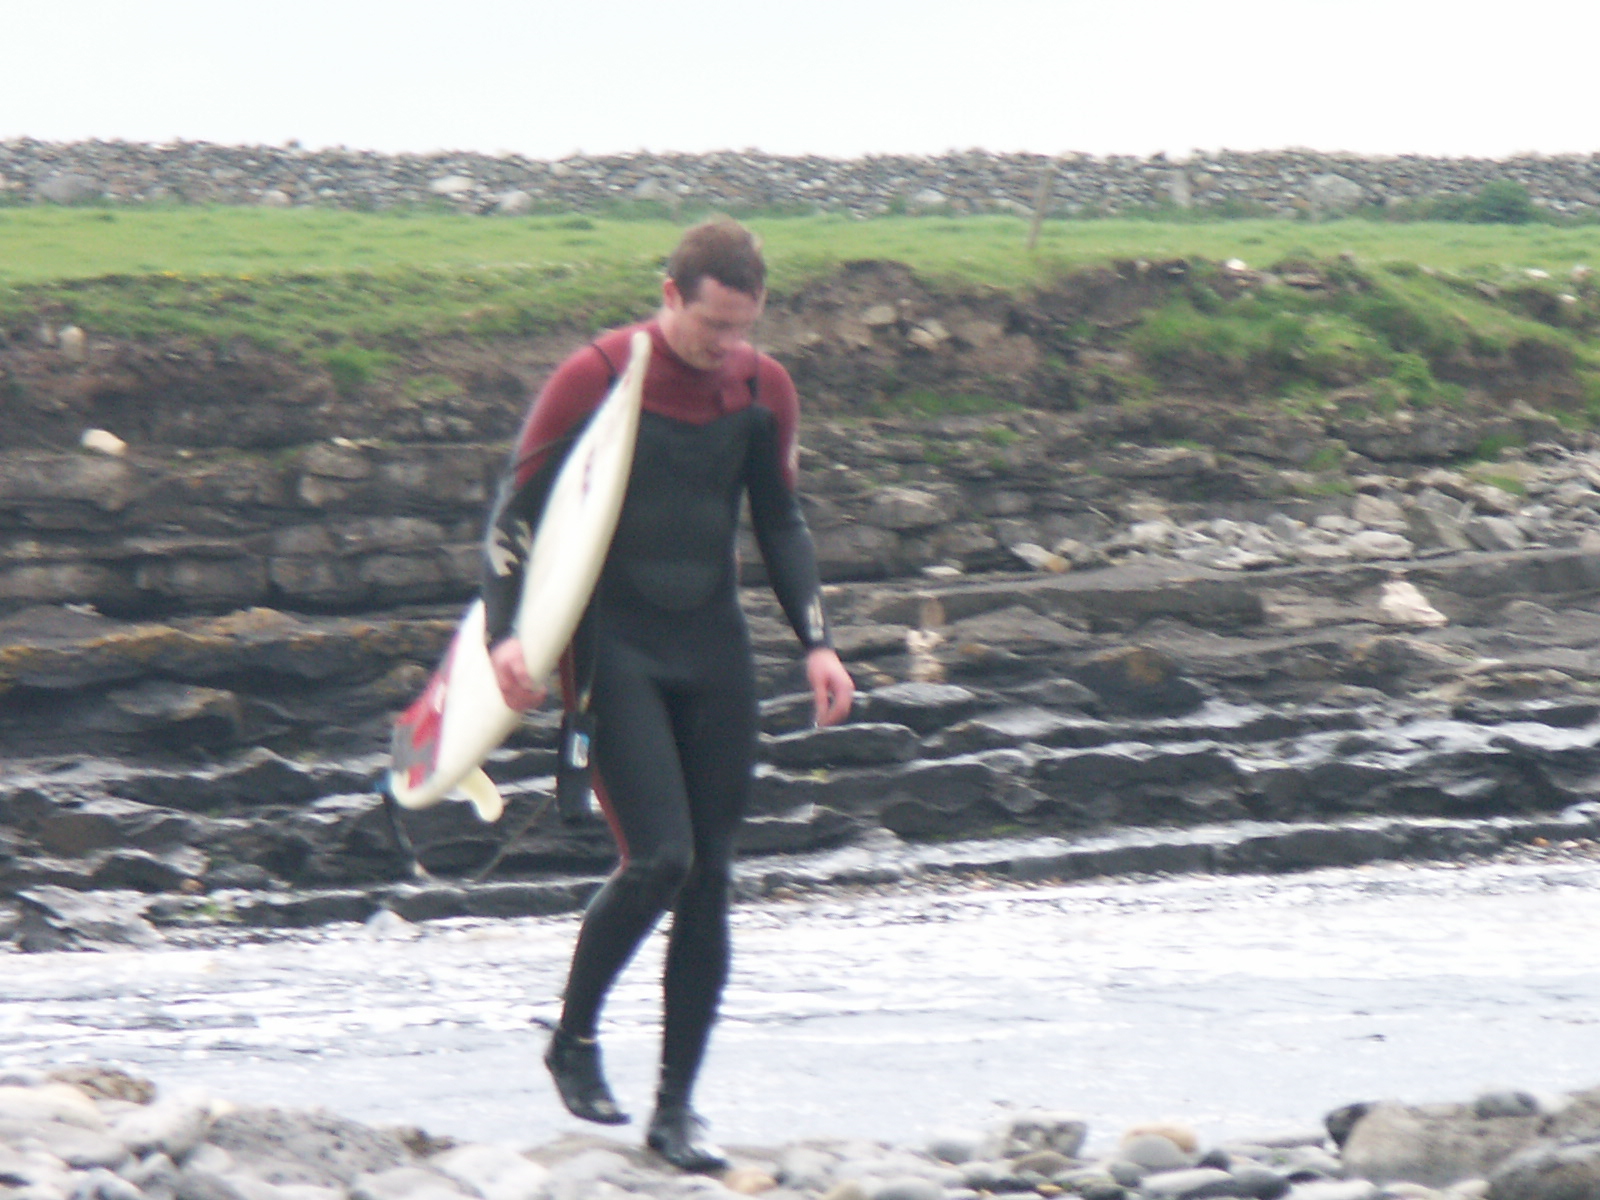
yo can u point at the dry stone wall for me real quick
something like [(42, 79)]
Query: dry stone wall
[(1284, 182)]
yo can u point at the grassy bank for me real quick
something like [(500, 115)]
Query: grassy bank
[(43, 245), (1409, 304)]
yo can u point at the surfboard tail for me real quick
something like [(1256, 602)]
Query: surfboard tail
[(485, 798)]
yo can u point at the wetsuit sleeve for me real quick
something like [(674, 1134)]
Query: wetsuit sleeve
[(567, 400), (771, 478)]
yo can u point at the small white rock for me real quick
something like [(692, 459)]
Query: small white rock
[(388, 925), (74, 343), (453, 186), (1403, 603), (1039, 558), (497, 1171), (103, 441)]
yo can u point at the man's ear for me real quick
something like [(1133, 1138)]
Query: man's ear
[(671, 296)]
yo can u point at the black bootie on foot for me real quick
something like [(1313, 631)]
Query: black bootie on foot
[(678, 1135), (574, 1064)]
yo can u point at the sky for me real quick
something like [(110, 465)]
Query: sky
[(840, 78)]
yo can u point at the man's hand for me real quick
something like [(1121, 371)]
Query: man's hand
[(831, 686), (517, 687)]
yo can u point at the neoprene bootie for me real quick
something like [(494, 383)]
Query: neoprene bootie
[(678, 1134), (574, 1064)]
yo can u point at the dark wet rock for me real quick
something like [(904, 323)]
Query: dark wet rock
[(144, 871), (1138, 680), (1008, 727), (1319, 846), (1183, 784), (434, 900), (1016, 627), (257, 779), (57, 918), (100, 824), (810, 828), (1058, 694), (302, 910), (1559, 714), (934, 798), (923, 707), (775, 792), (177, 713), (856, 744)]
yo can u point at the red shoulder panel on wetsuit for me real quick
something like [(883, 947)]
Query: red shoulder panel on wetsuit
[(571, 393)]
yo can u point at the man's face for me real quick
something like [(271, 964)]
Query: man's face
[(702, 331)]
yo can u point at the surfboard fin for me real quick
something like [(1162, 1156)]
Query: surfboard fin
[(478, 788)]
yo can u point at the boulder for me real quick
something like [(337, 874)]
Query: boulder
[(453, 187), (1329, 194), (497, 1172), (1434, 1145), (807, 828), (1568, 1169), (513, 203), (901, 508), (1495, 533), (923, 707), (103, 823), (853, 745), (938, 798), (69, 187), (285, 1146), (1139, 681), (57, 918)]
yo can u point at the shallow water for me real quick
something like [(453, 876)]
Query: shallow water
[(1242, 1005)]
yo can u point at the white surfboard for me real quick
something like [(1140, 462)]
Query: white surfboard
[(440, 742)]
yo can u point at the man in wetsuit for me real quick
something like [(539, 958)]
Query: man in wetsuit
[(663, 656)]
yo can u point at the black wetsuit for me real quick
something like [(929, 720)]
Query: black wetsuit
[(665, 645)]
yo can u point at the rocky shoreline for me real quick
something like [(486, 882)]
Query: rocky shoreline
[(91, 1132), (1280, 183), (1180, 692)]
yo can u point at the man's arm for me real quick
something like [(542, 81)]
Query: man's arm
[(771, 479), (552, 425)]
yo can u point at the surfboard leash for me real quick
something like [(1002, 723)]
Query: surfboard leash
[(402, 839), (511, 840)]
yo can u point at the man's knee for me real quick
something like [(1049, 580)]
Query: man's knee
[(659, 877), (707, 885)]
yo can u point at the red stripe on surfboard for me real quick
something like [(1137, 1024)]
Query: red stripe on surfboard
[(422, 723)]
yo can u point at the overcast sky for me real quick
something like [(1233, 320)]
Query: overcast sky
[(834, 77)]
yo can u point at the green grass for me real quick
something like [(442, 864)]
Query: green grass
[(348, 288), (52, 244)]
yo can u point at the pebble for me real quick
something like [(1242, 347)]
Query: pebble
[(1154, 1152), (165, 1146)]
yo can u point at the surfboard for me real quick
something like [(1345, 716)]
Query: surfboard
[(439, 743)]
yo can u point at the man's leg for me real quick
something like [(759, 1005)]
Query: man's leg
[(637, 759), (716, 744)]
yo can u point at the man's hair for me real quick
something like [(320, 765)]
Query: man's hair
[(722, 249)]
